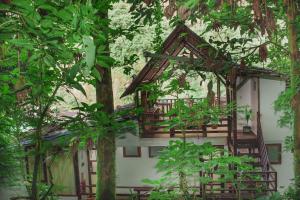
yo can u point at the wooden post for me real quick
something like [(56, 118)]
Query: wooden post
[(76, 173), (144, 100), (219, 91), (144, 106), (229, 121), (234, 116), (89, 172), (136, 99)]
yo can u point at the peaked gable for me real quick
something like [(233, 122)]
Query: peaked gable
[(180, 38), (212, 60)]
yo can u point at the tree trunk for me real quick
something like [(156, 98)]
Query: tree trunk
[(183, 185), (105, 143), (36, 167), (106, 148), (295, 74)]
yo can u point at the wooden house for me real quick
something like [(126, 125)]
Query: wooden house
[(136, 155)]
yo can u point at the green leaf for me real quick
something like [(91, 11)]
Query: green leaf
[(60, 98), (79, 87), (73, 71), (105, 61), (64, 15), (90, 50), (22, 43), (96, 74)]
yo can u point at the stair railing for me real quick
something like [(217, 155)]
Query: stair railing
[(264, 159), (269, 174)]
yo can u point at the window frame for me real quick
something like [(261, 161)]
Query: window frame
[(139, 153), (149, 151), (279, 147)]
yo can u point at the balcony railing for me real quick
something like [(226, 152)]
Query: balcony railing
[(155, 120)]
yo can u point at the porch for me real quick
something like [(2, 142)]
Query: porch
[(156, 121)]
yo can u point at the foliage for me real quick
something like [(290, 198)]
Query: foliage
[(164, 195), (247, 111), (283, 106), (9, 153), (289, 144), (197, 113), (288, 194), (182, 161), (50, 45), (91, 122)]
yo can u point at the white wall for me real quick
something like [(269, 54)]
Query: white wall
[(269, 91), (131, 171), (247, 95), (243, 98)]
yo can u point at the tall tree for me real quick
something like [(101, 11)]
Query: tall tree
[(293, 37), (106, 147), (41, 56)]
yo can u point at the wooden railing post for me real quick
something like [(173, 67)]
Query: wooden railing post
[(219, 92), (229, 119), (234, 120)]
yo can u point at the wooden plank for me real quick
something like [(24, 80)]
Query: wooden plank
[(89, 170), (76, 173)]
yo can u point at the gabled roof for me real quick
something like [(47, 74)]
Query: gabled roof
[(211, 59), (181, 37), (262, 73)]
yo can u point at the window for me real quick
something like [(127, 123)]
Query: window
[(131, 151), (154, 151), (274, 153)]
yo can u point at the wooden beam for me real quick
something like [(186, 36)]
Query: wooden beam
[(89, 172), (76, 174), (219, 92), (166, 62), (196, 63), (222, 79), (180, 59), (234, 116), (258, 94), (229, 119)]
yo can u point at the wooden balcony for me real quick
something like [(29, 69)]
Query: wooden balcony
[(155, 121)]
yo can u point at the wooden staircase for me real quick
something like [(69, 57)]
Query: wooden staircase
[(255, 148), (251, 145)]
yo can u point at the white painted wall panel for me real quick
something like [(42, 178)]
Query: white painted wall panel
[(270, 90), (243, 96), (131, 171)]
